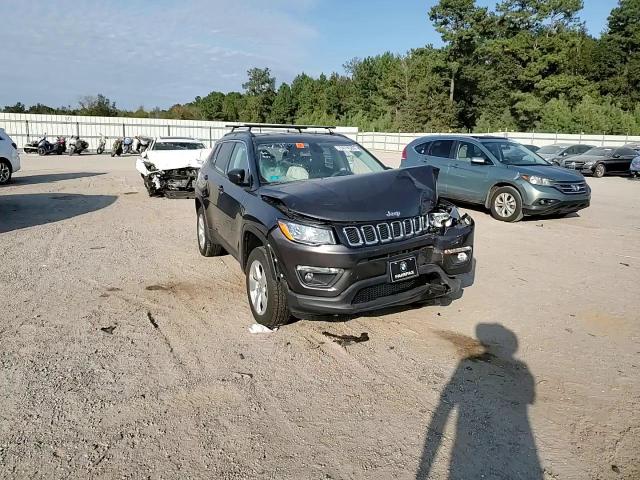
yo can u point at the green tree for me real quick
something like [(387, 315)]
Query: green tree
[(260, 92)]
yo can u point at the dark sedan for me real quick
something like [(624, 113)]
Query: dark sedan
[(600, 161)]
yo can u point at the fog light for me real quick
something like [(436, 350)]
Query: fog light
[(318, 277), (458, 256)]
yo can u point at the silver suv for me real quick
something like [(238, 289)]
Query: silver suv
[(500, 174), (9, 157)]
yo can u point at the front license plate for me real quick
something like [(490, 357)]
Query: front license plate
[(403, 269)]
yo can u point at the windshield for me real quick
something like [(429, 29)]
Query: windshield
[(311, 159), (511, 153), (178, 146), (600, 152), (550, 149)]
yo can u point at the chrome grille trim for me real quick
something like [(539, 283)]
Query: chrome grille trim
[(569, 188), (350, 232), (369, 234), (384, 232), (396, 230), (407, 227)]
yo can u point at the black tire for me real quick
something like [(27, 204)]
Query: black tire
[(206, 246), (506, 204), (276, 311), (71, 151), (100, 150), (41, 151), (5, 172), (599, 170)]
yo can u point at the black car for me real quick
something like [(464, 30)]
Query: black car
[(602, 160), (321, 227)]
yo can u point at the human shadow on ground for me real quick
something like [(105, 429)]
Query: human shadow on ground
[(27, 210), (491, 392), (50, 177)]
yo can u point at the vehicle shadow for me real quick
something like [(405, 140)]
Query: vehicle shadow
[(50, 177), (529, 218), (490, 391), (28, 210)]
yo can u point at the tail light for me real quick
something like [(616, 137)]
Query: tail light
[(404, 155)]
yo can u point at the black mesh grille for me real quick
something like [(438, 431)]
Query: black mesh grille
[(369, 234), (353, 236), (407, 225), (369, 294), (384, 232), (396, 229)]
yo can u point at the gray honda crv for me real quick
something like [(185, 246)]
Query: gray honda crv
[(500, 174)]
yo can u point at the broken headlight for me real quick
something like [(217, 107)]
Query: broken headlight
[(440, 219), (307, 234), (149, 166)]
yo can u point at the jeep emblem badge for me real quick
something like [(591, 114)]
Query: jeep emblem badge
[(393, 214)]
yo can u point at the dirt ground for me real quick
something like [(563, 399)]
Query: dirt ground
[(124, 354)]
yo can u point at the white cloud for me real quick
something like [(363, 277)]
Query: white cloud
[(151, 52)]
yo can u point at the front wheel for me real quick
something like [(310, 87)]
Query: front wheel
[(5, 172), (100, 150), (41, 151), (599, 171), (506, 205), (71, 151), (267, 297), (205, 244)]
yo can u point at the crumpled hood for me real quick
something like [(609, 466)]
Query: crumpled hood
[(172, 159), (551, 172), (368, 197)]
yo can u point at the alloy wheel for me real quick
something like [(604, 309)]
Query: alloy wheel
[(201, 232), (505, 204), (4, 172), (258, 287)]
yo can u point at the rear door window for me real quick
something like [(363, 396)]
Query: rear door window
[(441, 148)]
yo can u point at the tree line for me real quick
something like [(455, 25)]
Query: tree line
[(523, 65)]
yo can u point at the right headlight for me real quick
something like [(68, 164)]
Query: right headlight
[(536, 180), (440, 219), (307, 234)]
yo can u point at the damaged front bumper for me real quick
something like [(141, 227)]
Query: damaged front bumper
[(174, 183), (443, 263)]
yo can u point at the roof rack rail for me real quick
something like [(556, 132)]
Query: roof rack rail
[(271, 126)]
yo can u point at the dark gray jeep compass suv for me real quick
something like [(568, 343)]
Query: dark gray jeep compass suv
[(321, 227)]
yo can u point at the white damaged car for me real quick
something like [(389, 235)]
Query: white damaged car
[(170, 166)]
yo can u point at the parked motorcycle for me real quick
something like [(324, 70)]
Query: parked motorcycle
[(77, 146), (127, 144), (116, 148), (101, 145), (43, 146)]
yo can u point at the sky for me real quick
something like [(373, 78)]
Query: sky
[(162, 52)]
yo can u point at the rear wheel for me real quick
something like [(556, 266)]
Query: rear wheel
[(205, 244), (5, 172), (41, 151), (506, 205), (267, 297), (599, 171)]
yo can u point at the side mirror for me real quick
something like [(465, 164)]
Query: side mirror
[(236, 176), (478, 160)]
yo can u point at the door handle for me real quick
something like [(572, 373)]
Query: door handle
[(220, 189)]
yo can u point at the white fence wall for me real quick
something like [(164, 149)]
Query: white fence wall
[(395, 142), (26, 127)]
